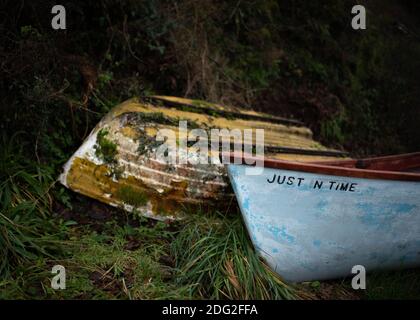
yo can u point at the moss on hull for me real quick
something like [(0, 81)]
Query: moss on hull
[(95, 181), (105, 149), (117, 164), (131, 196)]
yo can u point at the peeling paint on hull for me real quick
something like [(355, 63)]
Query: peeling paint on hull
[(316, 229), (130, 176)]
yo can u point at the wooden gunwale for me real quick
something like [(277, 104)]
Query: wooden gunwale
[(231, 113), (384, 168)]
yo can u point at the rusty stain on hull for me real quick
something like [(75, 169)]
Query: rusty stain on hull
[(131, 177)]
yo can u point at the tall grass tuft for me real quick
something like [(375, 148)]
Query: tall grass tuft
[(24, 207), (216, 256)]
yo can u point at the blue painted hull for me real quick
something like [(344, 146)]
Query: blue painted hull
[(308, 228)]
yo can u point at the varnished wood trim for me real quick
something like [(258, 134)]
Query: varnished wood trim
[(345, 168), (399, 162)]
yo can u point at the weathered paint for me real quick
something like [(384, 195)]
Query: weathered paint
[(306, 233), (132, 127), (205, 107)]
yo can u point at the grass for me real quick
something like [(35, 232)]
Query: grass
[(209, 256), (399, 284), (25, 228), (150, 262), (105, 266), (206, 256), (222, 263)]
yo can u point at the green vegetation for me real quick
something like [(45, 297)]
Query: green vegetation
[(222, 263), (393, 285), (299, 59), (149, 261), (131, 196), (146, 144), (105, 149), (202, 104), (27, 231)]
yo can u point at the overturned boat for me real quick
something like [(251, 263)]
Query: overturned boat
[(118, 163), (314, 221)]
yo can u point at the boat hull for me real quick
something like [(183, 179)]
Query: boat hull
[(307, 228), (131, 176)]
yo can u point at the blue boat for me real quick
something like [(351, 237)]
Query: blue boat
[(314, 221)]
